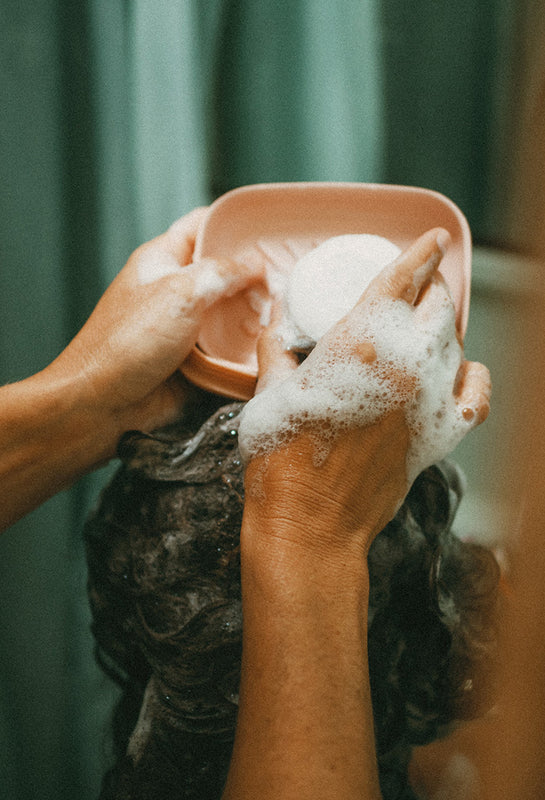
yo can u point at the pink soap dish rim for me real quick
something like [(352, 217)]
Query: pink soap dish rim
[(236, 380)]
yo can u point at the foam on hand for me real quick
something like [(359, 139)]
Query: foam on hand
[(417, 361), (155, 263)]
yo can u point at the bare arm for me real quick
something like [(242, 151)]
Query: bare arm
[(119, 372), (305, 726), (305, 722)]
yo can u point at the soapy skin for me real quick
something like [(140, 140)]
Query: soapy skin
[(397, 350)]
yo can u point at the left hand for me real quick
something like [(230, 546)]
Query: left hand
[(126, 356)]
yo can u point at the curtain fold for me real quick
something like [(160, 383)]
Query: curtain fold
[(298, 93), (167, 113), (441, 68), (121, 115)]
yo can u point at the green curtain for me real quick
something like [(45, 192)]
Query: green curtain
[(117, 117)]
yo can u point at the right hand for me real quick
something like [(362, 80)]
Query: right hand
[(344, 502)]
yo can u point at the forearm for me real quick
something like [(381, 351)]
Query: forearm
[(51, 433), (305, 726)]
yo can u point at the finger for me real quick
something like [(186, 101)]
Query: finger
[(179, 239), (473, 391), (165, 254), (434, 296), (405, 277), (275, 363)]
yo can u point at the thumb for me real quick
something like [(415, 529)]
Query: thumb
[(275, 362)]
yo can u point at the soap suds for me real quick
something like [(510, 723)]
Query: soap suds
[(417, 360), (209, 283), (154, 264)]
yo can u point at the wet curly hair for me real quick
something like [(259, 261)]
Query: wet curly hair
[(164, 588)]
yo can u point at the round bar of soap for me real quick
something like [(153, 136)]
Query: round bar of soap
[(329, 280)]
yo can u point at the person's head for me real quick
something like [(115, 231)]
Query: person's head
[(164, 584)]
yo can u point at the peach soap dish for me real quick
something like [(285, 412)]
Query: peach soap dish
[(277, 224)]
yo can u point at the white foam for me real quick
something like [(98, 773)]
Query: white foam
[(329, 280), (155, 263), (209, 283), (418, 358)]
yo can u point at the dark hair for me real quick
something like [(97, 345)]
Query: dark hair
[(164, 587)]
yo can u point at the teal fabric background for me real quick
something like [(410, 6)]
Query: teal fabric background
[(118, 116)]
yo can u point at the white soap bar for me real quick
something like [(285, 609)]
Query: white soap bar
[(329, 280)]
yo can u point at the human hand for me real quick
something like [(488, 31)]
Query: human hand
[(384, 393), (126, 356)]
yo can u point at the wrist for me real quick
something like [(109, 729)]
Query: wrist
[(293, 559), (73, 416), (50, 436)]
